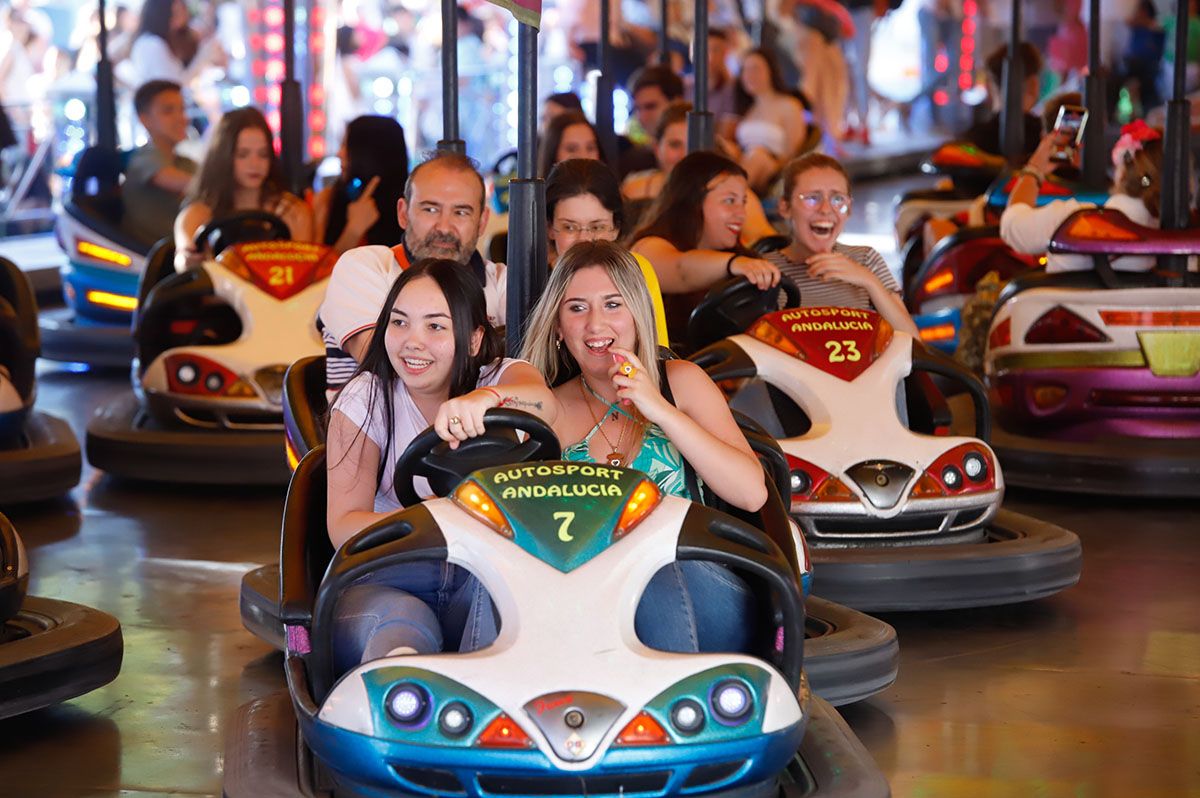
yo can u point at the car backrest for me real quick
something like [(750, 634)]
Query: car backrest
[(16, 290), (179, 310), (96, 185), (304, 548), (304, 404), (1087, 280)]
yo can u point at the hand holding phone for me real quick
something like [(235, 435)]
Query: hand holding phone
[(1068, 128)]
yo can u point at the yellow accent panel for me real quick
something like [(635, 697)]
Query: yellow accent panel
[(1171, 354), (118, 301), (1106, 358), (102, 253)]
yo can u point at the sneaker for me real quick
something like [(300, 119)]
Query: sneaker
[(402, 651)]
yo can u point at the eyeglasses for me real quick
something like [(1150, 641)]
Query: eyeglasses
[(594, 229), (838, 201)]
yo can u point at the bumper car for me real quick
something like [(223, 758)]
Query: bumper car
[(898, 514), (212, 346), (549, 708), (849, 656), (100, 278), (39, 455), (937, 286), (50, 651), (1095, 375)]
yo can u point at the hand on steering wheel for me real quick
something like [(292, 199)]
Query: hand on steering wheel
[(431, 457), (218, 234)]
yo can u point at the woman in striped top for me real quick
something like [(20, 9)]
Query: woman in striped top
[(816, 202)]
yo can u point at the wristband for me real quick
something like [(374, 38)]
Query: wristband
[(499, 398), (729, 264), (1034, 173)]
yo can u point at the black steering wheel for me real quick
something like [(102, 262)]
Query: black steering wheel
[(731, 307), (238, 228), (431, 457)]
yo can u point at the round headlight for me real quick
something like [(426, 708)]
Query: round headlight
[(407, 702), (687, 716), (952, 477), (213, 382), (186, 374), (455, 719), (731, 701), (800, 481), (975, 467)]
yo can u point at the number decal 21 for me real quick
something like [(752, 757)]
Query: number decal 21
[(837, 355), (281, 275)]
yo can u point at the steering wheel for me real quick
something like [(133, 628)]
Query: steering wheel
[(239, 227), (431, 457), (731, 307)]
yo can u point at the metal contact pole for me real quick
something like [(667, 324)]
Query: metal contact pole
[(527, 200), (604, 88), (291, 107), (1012, 112), (106, 101), (701, 135), (1095, 157), (450, 141)]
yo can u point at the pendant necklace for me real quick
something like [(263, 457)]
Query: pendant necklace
[(614, 457)]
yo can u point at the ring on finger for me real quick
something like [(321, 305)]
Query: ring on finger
[(455, 421)]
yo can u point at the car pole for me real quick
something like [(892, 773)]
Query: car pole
[(664, 38), (527, 200), (291, 107), (604, 88), (1012, 111), (1176, 145), (451, 142), (106, 102), (1095, 155), (701, 135)]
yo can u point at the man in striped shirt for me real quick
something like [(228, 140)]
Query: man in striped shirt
[(442, 213)]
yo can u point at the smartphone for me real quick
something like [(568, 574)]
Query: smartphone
[(1070, 123)]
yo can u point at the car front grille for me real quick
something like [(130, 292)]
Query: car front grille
[(615, 784)]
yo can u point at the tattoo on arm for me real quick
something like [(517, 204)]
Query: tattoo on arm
[(512, 401)]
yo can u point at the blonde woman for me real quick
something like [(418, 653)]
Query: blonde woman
[(592, 335)]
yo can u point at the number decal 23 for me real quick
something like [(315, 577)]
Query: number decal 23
[(841, 351)]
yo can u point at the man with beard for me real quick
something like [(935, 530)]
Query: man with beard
[(442, 213)]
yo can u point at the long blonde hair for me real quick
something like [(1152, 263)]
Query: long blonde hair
[(541, 347)]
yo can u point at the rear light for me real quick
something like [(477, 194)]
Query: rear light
[(883, 337), (1001, 334), (938, 282), (1061, 326), (97, 252), (1045, 397), (106, 299), (764, 331), (927, 488), (503, 733), (1151, 318), (644, 499), (643, 730), (193, 375), (1098, 228), (937, 334), (478, 503), (834, 490)]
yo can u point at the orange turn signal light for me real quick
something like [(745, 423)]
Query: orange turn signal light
[(834, 490), (472, 498), (110, 300), (938, 282), (645, 498), (502, 732), (764, 331), (643, 730), (105, 254), (927, 487), (1100, 229), (939, 332)]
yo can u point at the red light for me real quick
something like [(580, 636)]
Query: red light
[(317, 95), (1151, 318), (1060, 326), (316, 120), (503, 733), (940, 97), (273, 122), (643, 730), (273, 17), (273, 43), (253, 15), (274, 72), (1001, 335), (260, 94), (316, 148), (965, 63), (964, 81), (318, 42), (941, 62), (970, 8), (968, 29), (256, 42), (259, 69), (274, 93)]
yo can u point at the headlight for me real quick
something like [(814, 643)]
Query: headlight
[(975, 467), (455, 719), (407, 703), (732, 701), (687, 716), (952, 477), (800, 481), (186, 373)]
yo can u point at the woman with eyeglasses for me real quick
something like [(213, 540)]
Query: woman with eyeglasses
[(583, 203), (816, 202)]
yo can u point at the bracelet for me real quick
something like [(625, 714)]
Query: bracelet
[(729, 264), (1034, 173), (499, 398)]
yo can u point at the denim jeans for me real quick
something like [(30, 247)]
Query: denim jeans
[(431, 607)]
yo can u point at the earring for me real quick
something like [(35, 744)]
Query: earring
[(1145, 181), (558, 343)]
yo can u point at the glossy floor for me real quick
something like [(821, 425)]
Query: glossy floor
[(1092, 693)]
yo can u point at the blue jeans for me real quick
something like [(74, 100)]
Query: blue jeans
[(431, 607)]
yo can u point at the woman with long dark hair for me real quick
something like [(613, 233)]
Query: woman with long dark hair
[(568, 135), (359, 208), (433, 360), (166, 47), (692, 235), (240, 172)]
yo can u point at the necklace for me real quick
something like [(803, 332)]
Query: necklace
[(614, 457)]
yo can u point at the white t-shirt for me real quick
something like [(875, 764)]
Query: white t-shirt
[(1029, 230), (361, 402), (153, 60), (354, 297)]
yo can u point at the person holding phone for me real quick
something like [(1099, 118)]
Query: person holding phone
[(1136, 192), (1069, 127)]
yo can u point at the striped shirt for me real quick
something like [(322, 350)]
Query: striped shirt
[(835, 293)]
